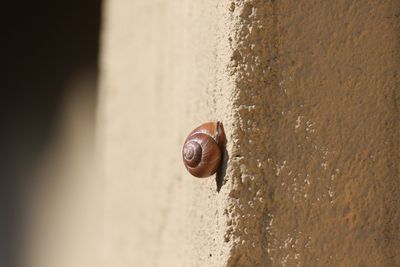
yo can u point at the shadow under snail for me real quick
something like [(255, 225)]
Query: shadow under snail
[(203, 149)]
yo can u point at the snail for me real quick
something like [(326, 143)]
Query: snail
[(203, 149)]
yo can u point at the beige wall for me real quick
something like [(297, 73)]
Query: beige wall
[(163, 72), (308, 94)]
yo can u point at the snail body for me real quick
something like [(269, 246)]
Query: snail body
[(203, 149)]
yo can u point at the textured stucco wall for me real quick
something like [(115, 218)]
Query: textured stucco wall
[(318, 139), (308, 93), (163, 73)]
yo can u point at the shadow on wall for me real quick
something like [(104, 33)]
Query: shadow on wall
[(48, 92)]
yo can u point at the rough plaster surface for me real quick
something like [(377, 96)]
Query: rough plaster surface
[(315, 167), (308, 93), (163, 73)]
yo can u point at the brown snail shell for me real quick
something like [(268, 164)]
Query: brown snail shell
[(203, 149)]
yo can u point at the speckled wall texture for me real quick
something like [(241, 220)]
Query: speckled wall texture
[(308, 92), (316, 163)]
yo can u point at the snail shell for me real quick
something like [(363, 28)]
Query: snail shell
[(203, 149)]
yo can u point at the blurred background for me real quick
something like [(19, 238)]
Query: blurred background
[(49, 56)]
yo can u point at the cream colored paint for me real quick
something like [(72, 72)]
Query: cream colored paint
[(163, 73)]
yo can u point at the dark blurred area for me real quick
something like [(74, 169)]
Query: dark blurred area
[(43, 45)]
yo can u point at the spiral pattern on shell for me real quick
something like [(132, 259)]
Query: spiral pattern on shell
[(203, 149), (192, 153)]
